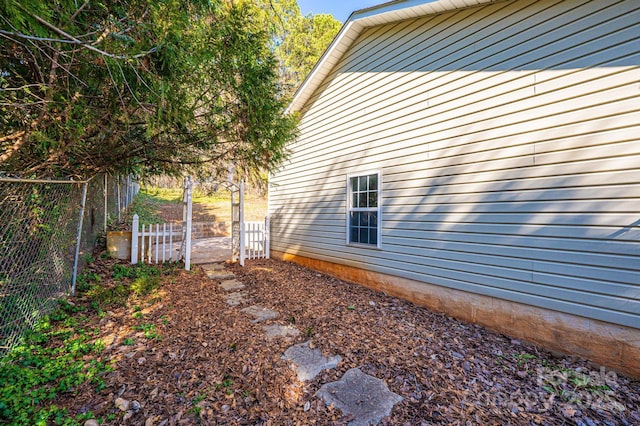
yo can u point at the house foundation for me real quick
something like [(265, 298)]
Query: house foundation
[(609, 345)]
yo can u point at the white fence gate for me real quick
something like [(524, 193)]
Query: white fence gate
[(154, 243), (254, 240)]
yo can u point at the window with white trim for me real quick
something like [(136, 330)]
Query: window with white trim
[(363, 213)]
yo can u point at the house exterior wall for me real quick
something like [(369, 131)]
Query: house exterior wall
[(507, 140)]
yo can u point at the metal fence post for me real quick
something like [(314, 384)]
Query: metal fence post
[(79, 237), (118, 196)]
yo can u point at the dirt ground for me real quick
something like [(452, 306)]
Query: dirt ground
[(207, 363)]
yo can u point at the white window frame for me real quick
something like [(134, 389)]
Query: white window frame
[(377, 209)]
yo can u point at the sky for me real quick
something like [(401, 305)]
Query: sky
[(340, 9)]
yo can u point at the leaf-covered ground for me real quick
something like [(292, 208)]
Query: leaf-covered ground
[(183, 356)]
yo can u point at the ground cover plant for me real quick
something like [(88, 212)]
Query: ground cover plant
[(64, 352), (163, 347)]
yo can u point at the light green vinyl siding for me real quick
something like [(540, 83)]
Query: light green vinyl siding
[(508, 140)]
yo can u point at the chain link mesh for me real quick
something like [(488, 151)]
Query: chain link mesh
[(38, 235)]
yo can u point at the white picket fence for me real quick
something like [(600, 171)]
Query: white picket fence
[(254, 243), (154, 243)]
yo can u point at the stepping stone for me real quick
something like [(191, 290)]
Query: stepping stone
[(309, 362), (213, 267), (231, 285), (365, 397), (277, 330), (259, 313), (221, 275), (236, 298)]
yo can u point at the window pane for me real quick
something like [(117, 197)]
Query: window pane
[(373, 236), (363, 183), (354, 235), (364, 235), (362, 199), (354, 219), (354, 184), (373, 219), (373, 183), (364, 219), (373, 199), (354, 199)]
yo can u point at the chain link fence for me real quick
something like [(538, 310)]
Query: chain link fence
[(48, 230)]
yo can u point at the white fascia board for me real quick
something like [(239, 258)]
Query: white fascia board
[(359, 20)]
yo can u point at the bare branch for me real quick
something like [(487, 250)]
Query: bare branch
[(73, 40), (13, 148), (75, 14)]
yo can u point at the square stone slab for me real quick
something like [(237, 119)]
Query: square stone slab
[(277, 330), (213, 267), (236, 298), (231, 285), (219, 274), (366, 397), (259, 313), (309, 362)]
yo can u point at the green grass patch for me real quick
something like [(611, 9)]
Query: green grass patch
[(147, 207), (150, 201)]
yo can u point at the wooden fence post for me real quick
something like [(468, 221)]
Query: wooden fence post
[(134, 239), (267, 236), (187, 255)]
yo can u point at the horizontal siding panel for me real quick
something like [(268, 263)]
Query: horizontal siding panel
[(430, 196), (585, 251), (614, 254), (441, 32), (538, 31), (613, 234), (549, 129), (534, 111), (517, 181), (421, 205), (502, 170), (413, 169), (606, 277), (602, 219)]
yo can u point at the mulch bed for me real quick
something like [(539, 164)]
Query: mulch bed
[(207, 363)]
